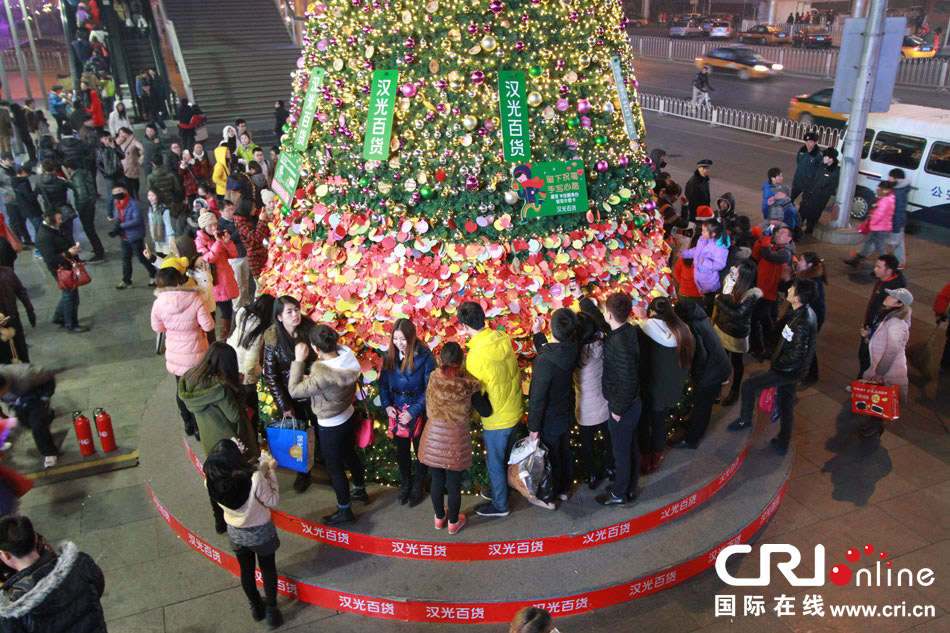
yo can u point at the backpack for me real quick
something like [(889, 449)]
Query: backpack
[(110, 163)]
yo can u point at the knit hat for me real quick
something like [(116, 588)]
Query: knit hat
[(207, 219), (267, 195), (178, 263), (704, 214)]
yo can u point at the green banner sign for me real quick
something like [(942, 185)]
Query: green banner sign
[(286, 175), (552, 188), (514, 115), (379, 122), (625, 110), (302, 138)]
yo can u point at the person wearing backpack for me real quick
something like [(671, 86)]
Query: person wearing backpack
[(109, 162)]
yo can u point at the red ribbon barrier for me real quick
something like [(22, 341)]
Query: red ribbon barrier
[(497, 550), (481, 612)]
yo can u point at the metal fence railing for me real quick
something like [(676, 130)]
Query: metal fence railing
[(48, 59), (765, 124), (930, 73)]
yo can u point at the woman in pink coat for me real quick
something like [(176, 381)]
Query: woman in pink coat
[(887, 339), (880, 224), (216, 248), (179, 312)]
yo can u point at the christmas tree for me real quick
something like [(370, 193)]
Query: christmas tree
[(452, 150)]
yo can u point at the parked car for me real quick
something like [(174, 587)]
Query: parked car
[(812, 37), (915, 47), (686, 28), (740, 60), (720, 29), (637, 20), (764, 34), (815, 109)]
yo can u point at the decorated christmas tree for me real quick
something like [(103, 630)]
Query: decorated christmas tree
[(455, 150)]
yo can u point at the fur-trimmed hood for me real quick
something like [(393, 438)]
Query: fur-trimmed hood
[(20, 595), (752, 293), (182, 288)]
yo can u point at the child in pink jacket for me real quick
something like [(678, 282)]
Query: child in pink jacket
[(216, 248), (180, 313), (880, 223)]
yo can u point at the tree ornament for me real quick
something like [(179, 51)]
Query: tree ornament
[(469, 122), (472, 183), (496, 6), (534, 99), (573, 122), (583, 106), (477, 77), (601, 140), (409, 90), (489, 43), (426, 192), (535, 71), (602, 166)]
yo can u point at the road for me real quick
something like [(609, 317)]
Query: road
[(769, 96)]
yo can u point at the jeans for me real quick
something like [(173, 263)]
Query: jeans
[(587, 447), (34, 412), (133, 186), (17, 223), (498, 445), (67, 311), (336, 444), (245, 558), (652, 431), (446, 482), (895, 240), (88, 219), (623, 434), (561, 459), (874, 243), (130, 247), (225, 309), (785, 394), (242, 273), (703, 398)]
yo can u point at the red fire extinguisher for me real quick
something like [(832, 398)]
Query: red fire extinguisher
[(83, 434), (104, 427)]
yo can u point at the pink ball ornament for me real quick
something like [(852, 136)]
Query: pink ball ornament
[(472, 29), (583, 106), (519, 46), (562, 104), (478, 77), (300, 62), (585, 122), (564, 89), (623, 161), (410, 43), (472, 184), (602, 166), (496, 6)]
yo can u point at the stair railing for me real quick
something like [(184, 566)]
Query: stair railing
[(169, 38), (292, 21)]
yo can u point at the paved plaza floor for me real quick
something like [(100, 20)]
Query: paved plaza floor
[(845, 491)]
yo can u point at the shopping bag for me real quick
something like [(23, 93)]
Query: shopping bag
[(767, 399), (526, 475), (365, 435), (201, 133), (879, 401), (865, 227), (522, 449), (292, 443)]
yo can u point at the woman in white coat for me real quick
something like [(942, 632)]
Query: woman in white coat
[(592, 411), (887, 340)]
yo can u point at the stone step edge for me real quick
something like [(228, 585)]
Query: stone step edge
[(467, 551), (409, 610)]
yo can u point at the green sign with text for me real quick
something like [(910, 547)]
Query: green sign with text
[(302, 138), (514, 116), (379, 122), (286, 175), (551, 188)]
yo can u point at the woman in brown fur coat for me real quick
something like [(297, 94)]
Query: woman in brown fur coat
[(446, 445)]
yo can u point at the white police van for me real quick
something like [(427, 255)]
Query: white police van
[(917, 140)]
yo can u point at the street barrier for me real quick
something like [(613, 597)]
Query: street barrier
[(927, 73), (773, 126)]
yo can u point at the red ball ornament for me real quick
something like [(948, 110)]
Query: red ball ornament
[(299, 194), (440, 175)]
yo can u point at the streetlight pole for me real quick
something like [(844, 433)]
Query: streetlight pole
[(860, 107), (16, 46), (29, 38)]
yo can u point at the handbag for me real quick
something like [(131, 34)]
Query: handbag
[(365, 434), (865, 227), (767, 399), (879, 401), (72, 277), (201, 132)]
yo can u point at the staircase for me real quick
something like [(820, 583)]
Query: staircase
[(238, 55)]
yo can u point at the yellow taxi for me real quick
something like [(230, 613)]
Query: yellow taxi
[(739, 60), (815, 109), (915, 47)]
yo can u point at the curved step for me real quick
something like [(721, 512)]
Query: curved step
[(686, 480), (574, 582)]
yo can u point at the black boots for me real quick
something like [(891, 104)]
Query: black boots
[(359, 494), (301, 482), (257, 608), (341, 516), (274, 617), (418, 491), (404, 491)]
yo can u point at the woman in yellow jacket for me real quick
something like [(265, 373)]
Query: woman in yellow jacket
[(222, 167)]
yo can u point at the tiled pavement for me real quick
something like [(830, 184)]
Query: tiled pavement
[(845, 491)]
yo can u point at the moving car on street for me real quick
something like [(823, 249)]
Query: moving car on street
[(815, 109), (914, 47), (742, 61), (686, 28)]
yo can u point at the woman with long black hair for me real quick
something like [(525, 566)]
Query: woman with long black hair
[(247, 340), (732, 319), (245, 495), (289, 327), (666, 354)]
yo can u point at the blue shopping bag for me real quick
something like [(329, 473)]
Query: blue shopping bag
[(292, 444)]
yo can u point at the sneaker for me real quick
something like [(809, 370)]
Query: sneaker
[(485, 493), (563, 497), (359, 494), (739, 425), (608, 499), (97, 259), (50, 460), (37, 255), (489, 510), (778, 449), (122, 286), (455, 527), (854, 261), (77, 329), (439, 523)]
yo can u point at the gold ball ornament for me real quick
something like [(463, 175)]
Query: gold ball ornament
[(489, 43), (534, 99), (469, 122), (511, 197)]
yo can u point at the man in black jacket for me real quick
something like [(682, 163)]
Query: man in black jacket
[(790, 363), (551, 396), (57, 252), (109, 162), (889, 277), (621, 389), (697, 188), (807, 162), (820, 189), (49, 591), (52, 191)]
